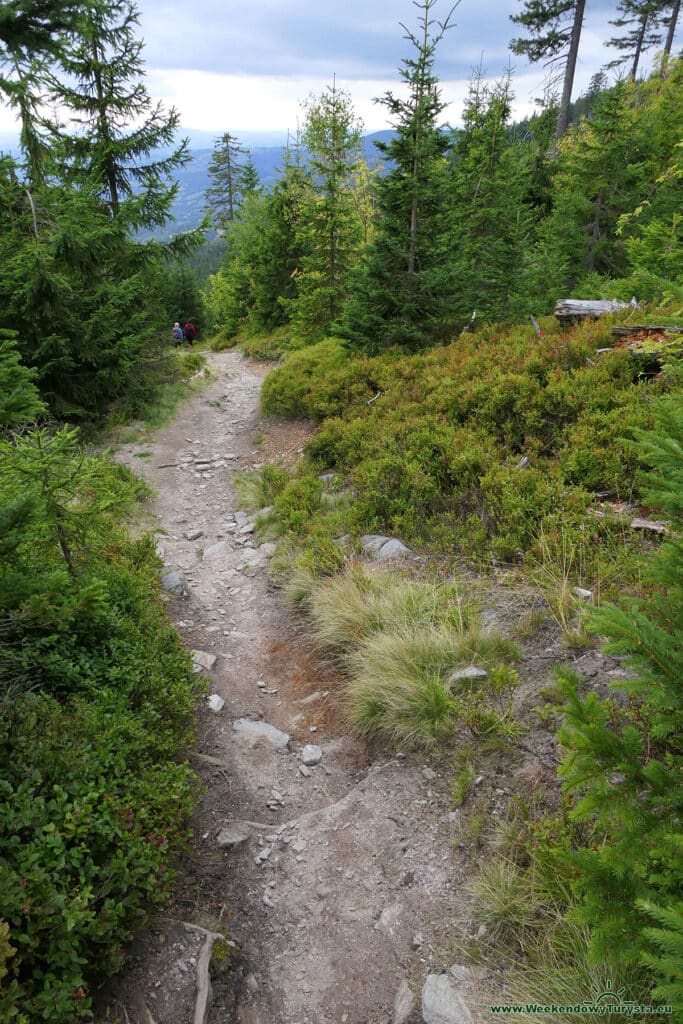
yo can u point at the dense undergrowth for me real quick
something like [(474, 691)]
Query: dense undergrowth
[(96, 704), (500, 446), (506, 447)]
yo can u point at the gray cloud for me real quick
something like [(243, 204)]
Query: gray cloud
[(352, 38)]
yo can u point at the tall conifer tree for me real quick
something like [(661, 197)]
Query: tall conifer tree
[(640, 19), (491, 185), (119, 130), (330, 227), (554, 34), (402, 297), (228, 185)]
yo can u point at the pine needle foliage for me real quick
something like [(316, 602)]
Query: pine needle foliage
[(624, 755), (402, 295)]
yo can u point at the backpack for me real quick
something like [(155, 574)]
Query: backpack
[(189, 331), (178, 333)]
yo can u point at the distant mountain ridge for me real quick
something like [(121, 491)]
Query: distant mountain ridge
[(193, 178)]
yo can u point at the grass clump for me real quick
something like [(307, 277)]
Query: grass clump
[(399, 641), (352, 606)]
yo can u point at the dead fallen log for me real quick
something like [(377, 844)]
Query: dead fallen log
[(625, 332), (571, 310)]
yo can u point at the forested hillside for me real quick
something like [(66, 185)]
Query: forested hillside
[(411, 310), (406, 293), (96, 692)]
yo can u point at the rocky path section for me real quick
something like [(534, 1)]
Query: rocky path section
[(338, 874)]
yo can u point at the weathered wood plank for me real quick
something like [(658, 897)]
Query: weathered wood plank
[(579, 309), (624, 332)]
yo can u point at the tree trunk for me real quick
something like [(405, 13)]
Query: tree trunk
[(675, 11), (639, 45), (563, 117)]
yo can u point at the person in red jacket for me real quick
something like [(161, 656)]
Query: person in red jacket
[(190, 333)]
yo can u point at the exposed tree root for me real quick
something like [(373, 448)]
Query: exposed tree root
[(204, 992)]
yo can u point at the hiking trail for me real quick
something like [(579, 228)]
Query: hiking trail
[(341, 880)]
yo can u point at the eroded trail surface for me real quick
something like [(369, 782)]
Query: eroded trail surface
[(338, 880)]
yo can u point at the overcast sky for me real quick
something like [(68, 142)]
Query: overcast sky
[(245, 65)]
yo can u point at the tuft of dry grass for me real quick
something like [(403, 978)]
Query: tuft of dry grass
[(398, 642)]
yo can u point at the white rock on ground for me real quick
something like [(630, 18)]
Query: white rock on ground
[(233, 835), (385, 549), (202, 659), (442, 1003), (404, 1004), (215, 702), (472, 673), (311, 754), (255, 731), (216, 550), (371, 543), (393, 549), (174, 583)]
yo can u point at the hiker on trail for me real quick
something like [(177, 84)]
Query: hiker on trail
[(177, 333), (190, 332)]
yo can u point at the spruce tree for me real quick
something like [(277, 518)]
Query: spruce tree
[(19, 398), (103, 88), (403, 294), (624, 756), (228, 184), (640, 19), (554, 34), (671, 22), (491, 220), (329, 225)]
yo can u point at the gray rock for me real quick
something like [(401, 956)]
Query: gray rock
[(306, 772), (248, 528), (462, 975), (254, 732), (470, 674), (404, 1004), (233, 835), (312, 698), (216, 550), (174, 583), (583, 594), (371, 543), (442, 1003), (326, 478), (241, 518), (392, 550), (311, 755), (202, 659), (194, 534), (215, 702), (649, 525)]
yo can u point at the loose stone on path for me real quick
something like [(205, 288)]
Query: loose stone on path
[(255, 731)]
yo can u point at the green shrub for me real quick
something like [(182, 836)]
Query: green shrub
[(91, 813), (428, 443), (315, 383), (96, 706)]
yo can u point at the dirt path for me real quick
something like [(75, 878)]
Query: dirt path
[(347, 881)]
